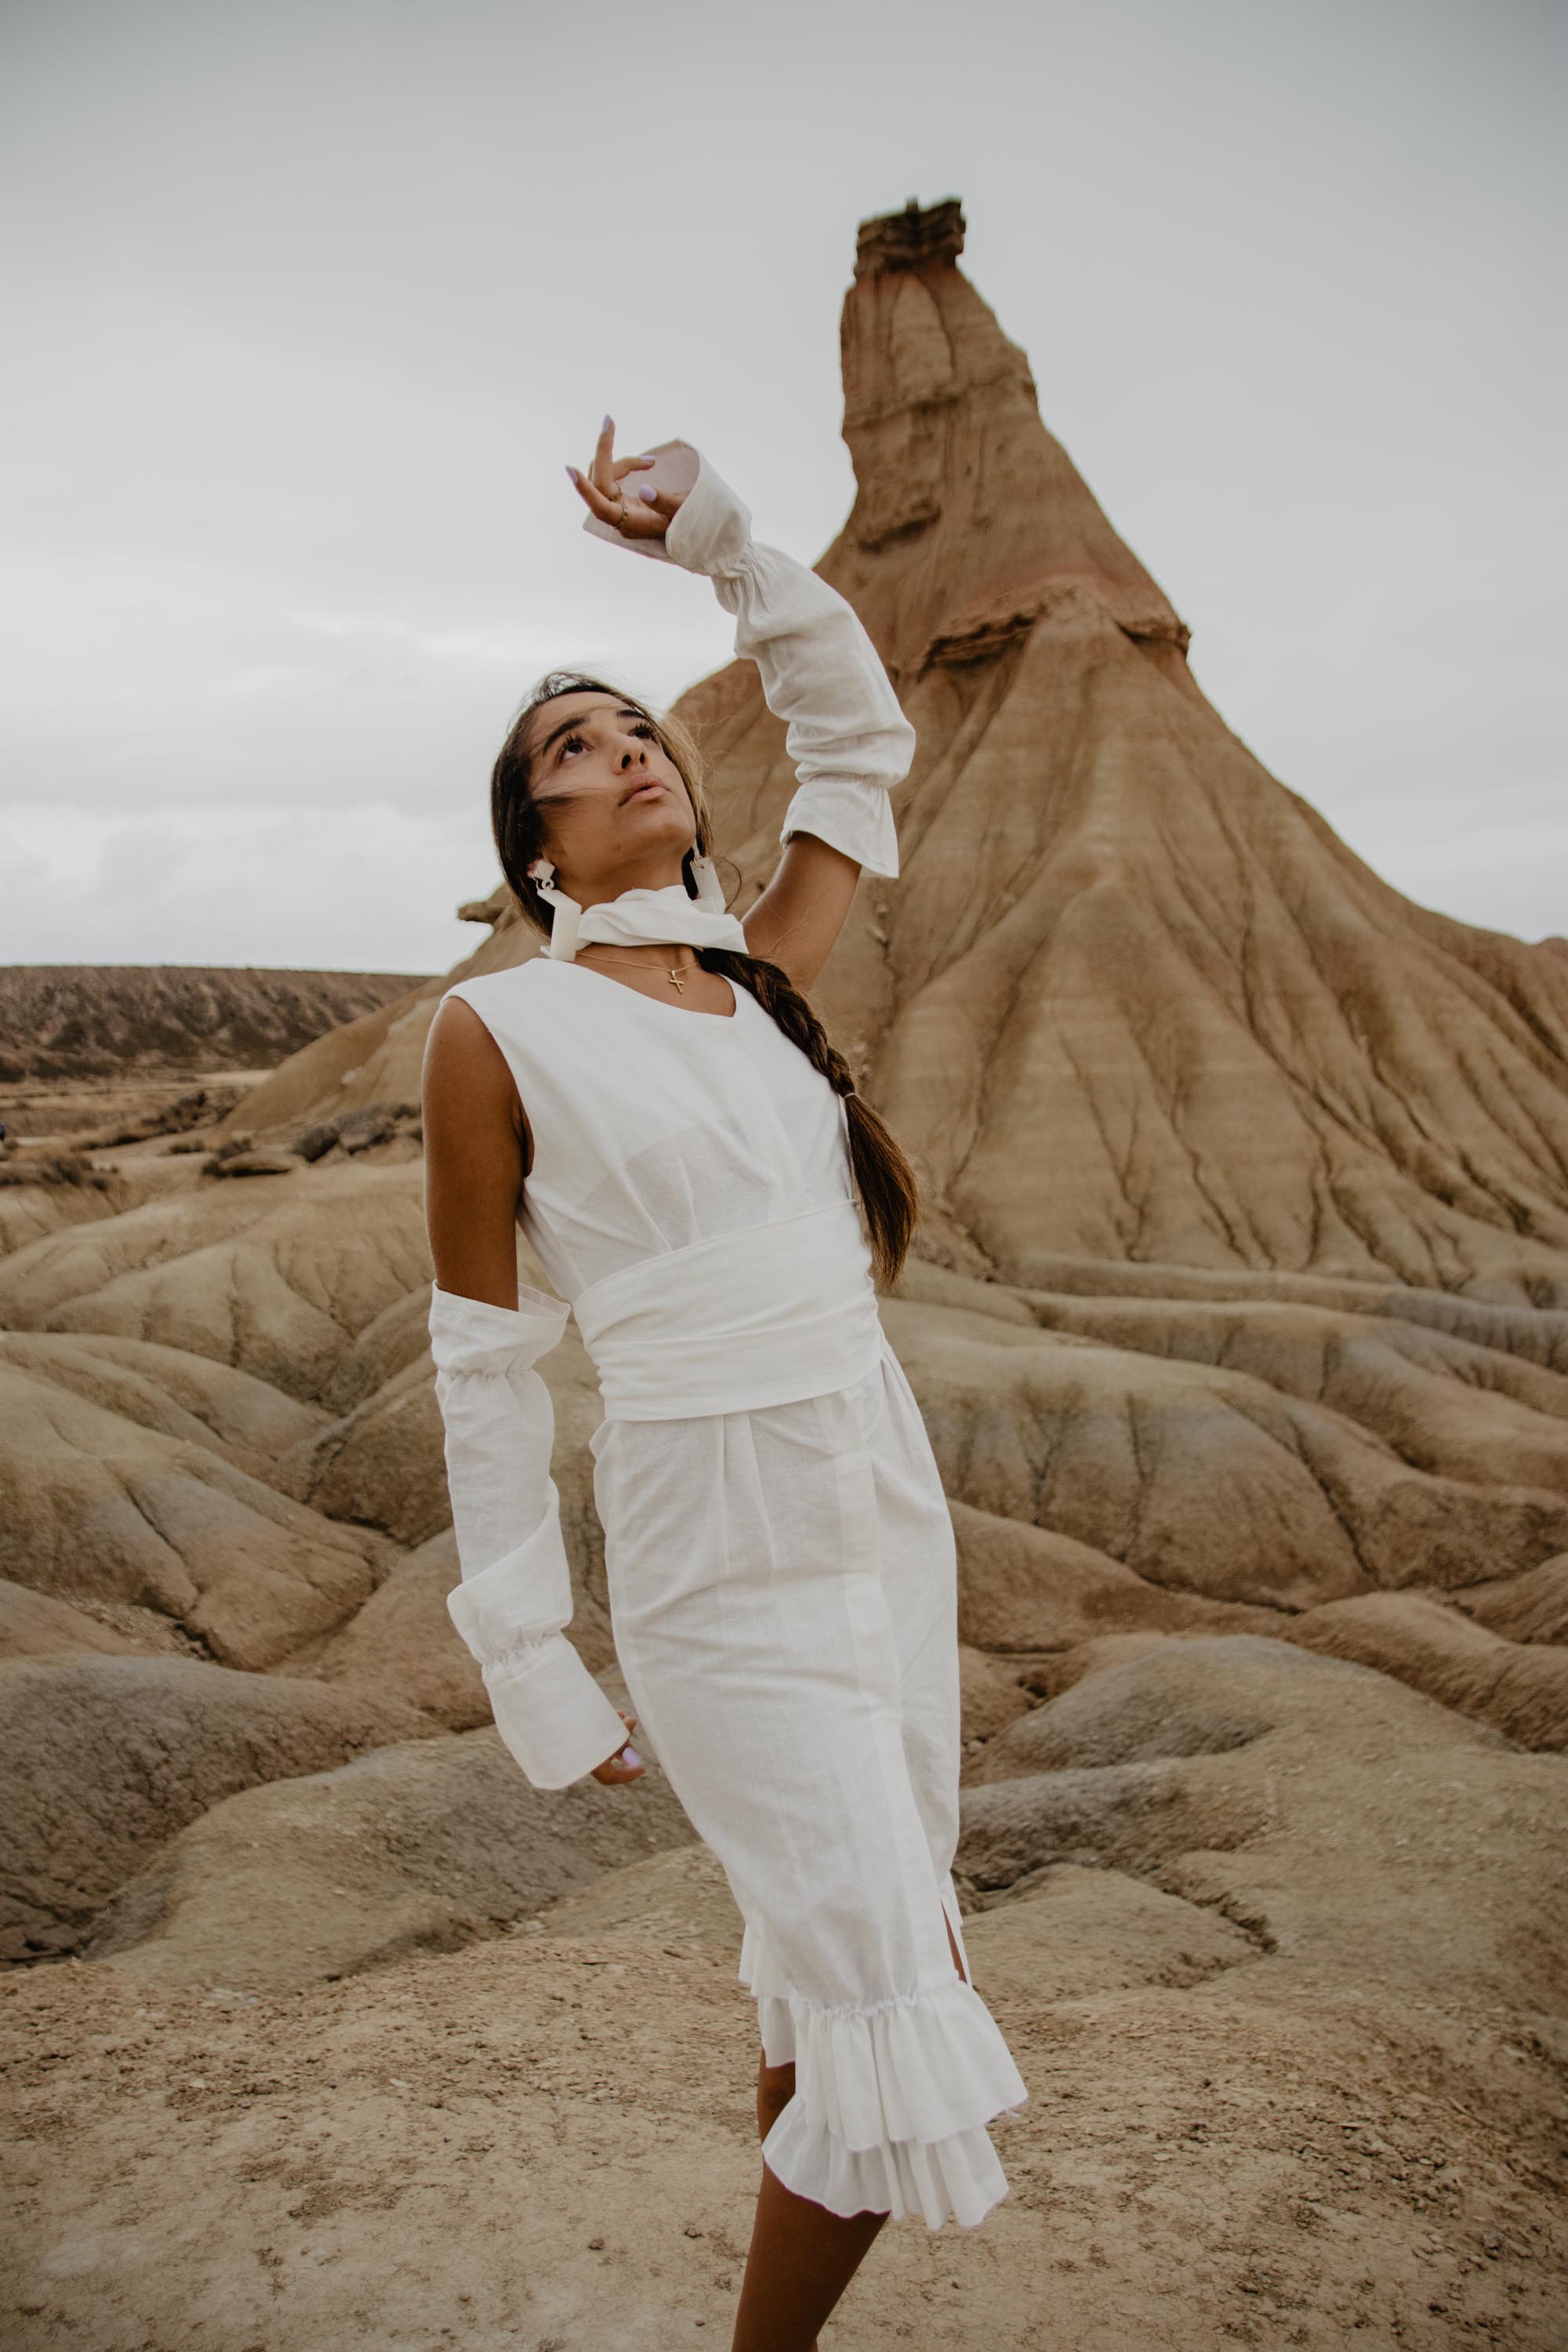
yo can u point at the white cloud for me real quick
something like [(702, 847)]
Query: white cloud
[(372, 886)]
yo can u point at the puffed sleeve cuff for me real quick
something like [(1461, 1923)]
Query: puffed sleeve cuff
[(552, 1715), (849, 814), (710, 531), (548, 1708)]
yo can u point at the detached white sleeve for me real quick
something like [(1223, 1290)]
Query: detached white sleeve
[(515, 1596), (847, 736)]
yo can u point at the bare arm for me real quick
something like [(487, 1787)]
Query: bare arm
[(799, 916), (477, 1146)]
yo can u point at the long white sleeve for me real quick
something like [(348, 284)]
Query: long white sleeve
[(515, 1597), (845, 735)]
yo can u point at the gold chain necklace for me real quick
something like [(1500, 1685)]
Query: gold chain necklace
[(675, 980)]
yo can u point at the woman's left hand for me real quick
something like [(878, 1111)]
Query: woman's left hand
[(626, 1764), (603, 490)]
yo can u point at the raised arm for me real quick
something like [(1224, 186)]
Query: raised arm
[(487, 1333), (845, 734)]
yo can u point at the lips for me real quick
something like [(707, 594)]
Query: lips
[(641, 792)]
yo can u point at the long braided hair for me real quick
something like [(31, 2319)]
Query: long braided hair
[(887, 1185)]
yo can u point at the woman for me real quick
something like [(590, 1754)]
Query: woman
[(654, 1102)]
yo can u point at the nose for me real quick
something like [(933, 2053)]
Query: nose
[(634, 754)]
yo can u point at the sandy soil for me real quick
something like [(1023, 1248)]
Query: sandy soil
[(550, 2145)]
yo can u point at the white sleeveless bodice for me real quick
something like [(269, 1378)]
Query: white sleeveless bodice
[(691, 1196)]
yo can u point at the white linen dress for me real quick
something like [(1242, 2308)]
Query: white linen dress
[(782, 1576)]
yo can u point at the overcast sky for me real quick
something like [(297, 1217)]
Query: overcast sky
[(311, 303)]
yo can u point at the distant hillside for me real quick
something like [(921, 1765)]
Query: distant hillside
[(86, 1019)]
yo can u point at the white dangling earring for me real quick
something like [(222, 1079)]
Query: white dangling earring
[(710, 890), (568, 913)]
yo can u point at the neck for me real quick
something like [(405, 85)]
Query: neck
[(608, 889)]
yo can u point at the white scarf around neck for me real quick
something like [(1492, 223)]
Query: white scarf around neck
[(641, 917)]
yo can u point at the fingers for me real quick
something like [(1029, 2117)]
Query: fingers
[(605, 487), (614, 1770), (609, 509), (603, 468), (660, 502), (636, 521)]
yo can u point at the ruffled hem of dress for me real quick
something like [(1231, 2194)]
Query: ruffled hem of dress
[(892, 2099), (959, 2175)]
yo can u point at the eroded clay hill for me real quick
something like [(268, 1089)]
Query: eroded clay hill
[(1131, 997), (80, 1021)]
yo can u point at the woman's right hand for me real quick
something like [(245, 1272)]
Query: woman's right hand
[(602, 488), (612, 1771)]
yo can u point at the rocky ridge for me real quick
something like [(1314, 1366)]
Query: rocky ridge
[(76, 1020)]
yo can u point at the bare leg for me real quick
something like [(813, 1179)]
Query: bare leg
[(801, 2257)]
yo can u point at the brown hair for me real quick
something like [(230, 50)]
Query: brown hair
[(889, 1190)]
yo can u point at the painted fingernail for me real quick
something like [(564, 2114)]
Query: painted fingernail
[(606, 427), (571, 473), (646, 490), (629, 1755)]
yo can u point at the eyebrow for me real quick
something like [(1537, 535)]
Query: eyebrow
[(622, 710)]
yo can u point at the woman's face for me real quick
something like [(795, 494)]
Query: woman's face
[(612, 798)]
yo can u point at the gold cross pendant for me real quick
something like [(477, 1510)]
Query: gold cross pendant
[(676, 980)]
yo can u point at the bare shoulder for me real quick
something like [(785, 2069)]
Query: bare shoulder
[(469, 1088), (477, 1151), (461, 1055)]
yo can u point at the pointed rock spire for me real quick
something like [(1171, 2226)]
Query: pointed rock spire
[(1130, 1000), (969, 521), (1131, 997)]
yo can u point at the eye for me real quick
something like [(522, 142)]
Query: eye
[(645, 729), (567, 741)]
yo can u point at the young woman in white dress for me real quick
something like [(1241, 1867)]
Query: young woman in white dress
[(653, 1101)]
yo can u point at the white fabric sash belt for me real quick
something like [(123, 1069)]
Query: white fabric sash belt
[(748, 1319)]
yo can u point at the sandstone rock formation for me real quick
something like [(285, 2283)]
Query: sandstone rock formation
[(107, 1758), (412, 1848), (101, 1504), (282, 1275), (1316, 1805), (1130, 998), (1522, 1690), (34, 1625), (403, 1639), (1136, 1000), (68, 1021)]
